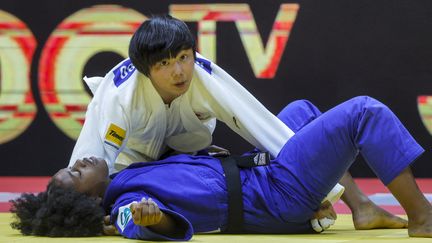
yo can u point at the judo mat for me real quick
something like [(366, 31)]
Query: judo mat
[(342, 231)]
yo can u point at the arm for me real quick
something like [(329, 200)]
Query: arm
[(149, 219), (106, 127), (242, 112)]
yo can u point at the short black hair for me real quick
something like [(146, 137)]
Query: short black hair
[(57, 212), (159, 37)]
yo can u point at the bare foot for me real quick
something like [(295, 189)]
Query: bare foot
[(370, 216), (421, 227)]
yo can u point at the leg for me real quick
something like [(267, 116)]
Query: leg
[(417, 207), (319, 154), (366, 215)]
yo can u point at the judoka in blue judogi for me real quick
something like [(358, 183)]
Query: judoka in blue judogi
[(280, 197)]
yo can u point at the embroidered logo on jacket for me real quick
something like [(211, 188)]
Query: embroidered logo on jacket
[(261, 159), (204, 64), (115, 136), (124, 216), (123, 72)]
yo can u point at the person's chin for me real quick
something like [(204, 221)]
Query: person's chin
[(181, 89)]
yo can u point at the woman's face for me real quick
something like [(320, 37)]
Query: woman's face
[(171, 77), (88, 175)]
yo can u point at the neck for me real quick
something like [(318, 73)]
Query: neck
[(108, 182), (101, 188), (167, 101)]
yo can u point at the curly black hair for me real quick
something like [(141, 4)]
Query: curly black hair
[(57, 212)]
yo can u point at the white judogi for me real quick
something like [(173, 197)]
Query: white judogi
[(127, 115)]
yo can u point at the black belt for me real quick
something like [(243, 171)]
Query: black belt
[(231, 169)]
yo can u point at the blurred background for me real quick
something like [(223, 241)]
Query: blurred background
[(323, 51)]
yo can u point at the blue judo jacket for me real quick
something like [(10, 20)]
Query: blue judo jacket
[(280, 197), (192, 190)]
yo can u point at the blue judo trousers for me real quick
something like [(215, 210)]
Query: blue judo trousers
[(281, 197)]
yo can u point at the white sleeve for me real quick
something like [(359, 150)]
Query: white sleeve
[(240, 110), (106, 128), (254, 123)]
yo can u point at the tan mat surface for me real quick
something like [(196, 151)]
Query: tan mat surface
[(342, 231)]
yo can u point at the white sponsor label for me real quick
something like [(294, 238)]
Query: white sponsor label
[(124, 216)]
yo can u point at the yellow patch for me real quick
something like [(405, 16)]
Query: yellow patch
[(115, 135)]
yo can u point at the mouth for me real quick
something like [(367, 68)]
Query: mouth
[(180, 84)]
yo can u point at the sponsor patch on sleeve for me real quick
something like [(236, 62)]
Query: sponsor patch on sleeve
[(124, 216), (115, 136)]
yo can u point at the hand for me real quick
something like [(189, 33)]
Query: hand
[(324, 217), (146, 212), (108, 228)]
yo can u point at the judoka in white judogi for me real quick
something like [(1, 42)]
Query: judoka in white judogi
[(128, 116)]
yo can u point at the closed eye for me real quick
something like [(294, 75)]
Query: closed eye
[(75, 173)]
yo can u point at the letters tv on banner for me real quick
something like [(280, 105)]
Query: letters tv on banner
[(279, 50)]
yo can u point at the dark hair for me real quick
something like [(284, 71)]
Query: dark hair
[(57, 212), (158, 38)]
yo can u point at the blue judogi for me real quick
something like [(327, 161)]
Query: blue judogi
[(281, 197)]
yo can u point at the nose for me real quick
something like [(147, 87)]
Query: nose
[(177, 69)]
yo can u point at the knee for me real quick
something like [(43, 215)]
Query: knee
[(299, 107), (304, 104), (298, 113), (368, 102), (366, 106)]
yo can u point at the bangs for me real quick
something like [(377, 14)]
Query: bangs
[(165, 52), (159, 38), (168, 42)]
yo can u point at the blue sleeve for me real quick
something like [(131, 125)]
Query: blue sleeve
[(122, 218)]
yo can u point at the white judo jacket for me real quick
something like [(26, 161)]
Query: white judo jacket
[(127, 121)]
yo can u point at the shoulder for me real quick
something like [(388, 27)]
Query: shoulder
[(119, 88), (121, 81), (202, 63), (123, 72)]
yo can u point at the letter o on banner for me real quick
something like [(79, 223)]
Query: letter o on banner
[(17, 106), (100, 28)]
